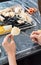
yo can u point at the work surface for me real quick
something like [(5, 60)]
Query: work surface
[(24, 45)]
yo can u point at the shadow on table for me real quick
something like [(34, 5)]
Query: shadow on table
[(34, 59), (4, 0)]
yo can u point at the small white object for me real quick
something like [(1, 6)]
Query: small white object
[(7, 14), (1, 18), (8, 27), (15, 31), (25, 17), (20, 21), (0, 50), (29, 19), (12, 14), (17, 9)]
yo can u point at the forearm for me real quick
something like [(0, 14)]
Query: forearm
[(12, 59)]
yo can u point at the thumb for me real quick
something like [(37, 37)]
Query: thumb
[(9, 36), (34, 36), (12, 39)]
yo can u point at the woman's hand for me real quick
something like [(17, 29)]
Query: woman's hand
[(9, 47), (36, 36)]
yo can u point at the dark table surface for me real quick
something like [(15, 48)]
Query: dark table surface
[(24, 45)]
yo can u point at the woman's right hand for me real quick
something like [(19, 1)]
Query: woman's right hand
[(9, 47)]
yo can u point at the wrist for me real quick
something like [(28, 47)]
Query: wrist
[(12, 59), (11, 54)]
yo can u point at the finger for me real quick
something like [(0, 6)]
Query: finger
[(6, 38), (39, 31), (35, 32), (35, 41), (34, 37), (12, 42), (11, 38)]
